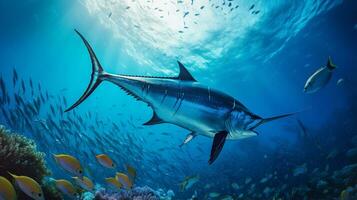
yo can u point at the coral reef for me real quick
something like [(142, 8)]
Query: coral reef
[(50, 190), (18, 155), (87, 196), (138, 193), (349, 193), (165, 195)]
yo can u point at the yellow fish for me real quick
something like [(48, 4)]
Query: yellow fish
[(85, 183), (29, 186), (114, 182), (124, 180), (66, 187), (70, 164), (7, 191), (131, 171), (344, 195), (105, 160)]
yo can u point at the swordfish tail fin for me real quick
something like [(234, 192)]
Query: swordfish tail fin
[(96, 76)]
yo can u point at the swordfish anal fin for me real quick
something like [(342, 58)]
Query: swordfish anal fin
[(154, 120), (96, 76), (217, 145)]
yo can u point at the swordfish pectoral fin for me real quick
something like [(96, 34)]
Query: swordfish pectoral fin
[(96, 76), (217, 145)]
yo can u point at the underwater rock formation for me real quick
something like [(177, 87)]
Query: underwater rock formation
[(18, 155), (138, 193)]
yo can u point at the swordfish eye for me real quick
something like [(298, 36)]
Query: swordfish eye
[(41, 196)]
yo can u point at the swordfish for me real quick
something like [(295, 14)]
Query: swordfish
[(183, 101)]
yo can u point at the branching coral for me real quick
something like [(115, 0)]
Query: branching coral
[(18, 155), (138, 193)]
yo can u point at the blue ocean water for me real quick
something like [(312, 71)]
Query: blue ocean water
[(260, 52)]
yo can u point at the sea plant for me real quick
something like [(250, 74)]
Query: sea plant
[(19, 156)]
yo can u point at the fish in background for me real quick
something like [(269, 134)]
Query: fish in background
[(113, 181), (105, 161), (124, 180), (85, 183), (194, 196), (188, 182), (29, 186), (320, 78), (14, 77), (303, 130), (69, 163), (340, 81), (306, 136), (131, 171), (66, 187), (214, 195), (7, 191), (299, 170)]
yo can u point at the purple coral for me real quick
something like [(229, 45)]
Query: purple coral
[(138, 193)]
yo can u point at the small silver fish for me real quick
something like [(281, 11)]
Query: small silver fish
[(188, 182), (340, 81), (320, 78)]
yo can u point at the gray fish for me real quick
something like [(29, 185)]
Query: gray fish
[(302, 128), (340, 81), (188, 182), (6, 116), (31, 84), (299, 170), (3, 87), (320, 78), (184, 102), (14, 77), (23, 85)]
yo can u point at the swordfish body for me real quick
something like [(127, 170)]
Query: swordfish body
[(184, 102)]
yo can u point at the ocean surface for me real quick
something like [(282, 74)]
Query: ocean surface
[(259, 52)]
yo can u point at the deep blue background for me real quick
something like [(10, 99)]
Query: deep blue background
[(37, 38)]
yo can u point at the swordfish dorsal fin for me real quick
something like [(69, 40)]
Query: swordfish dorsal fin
[(154, 120), (184, 74)]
